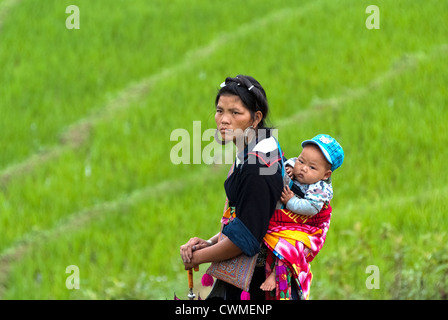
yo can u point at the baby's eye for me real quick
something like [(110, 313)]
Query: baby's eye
[(313, 167)]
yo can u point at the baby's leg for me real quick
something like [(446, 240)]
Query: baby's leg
[(269, 283)]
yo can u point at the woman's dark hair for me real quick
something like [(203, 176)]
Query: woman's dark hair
[(251, 94)]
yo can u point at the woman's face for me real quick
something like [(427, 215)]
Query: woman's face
[(232, 117)]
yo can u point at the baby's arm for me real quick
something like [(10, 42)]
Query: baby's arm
[(298, 205), (303, 206), (294, 203), (289, 165), (289, 170)]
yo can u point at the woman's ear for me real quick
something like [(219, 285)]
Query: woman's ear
[(258, 116)]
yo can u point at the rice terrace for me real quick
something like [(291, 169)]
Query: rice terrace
[(92, 205)]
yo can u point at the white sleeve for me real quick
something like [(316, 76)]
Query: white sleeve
[(291, 162)]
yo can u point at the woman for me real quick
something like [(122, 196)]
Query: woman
[(253, 186)]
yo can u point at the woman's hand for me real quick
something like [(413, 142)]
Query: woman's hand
[(205, 251), (189, 265), (186, 250)]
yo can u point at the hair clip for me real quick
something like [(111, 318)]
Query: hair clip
[(250, 87), (222, 85)]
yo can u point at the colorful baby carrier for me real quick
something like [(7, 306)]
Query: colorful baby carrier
[(294, 240)]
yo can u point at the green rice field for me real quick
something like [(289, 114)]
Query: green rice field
[(86, 117)]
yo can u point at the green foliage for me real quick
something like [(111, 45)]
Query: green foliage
[(86, 117)]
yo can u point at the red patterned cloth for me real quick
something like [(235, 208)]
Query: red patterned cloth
[(294, 240)]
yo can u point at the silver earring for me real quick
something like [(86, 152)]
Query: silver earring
[(246, 133), (221, 142)]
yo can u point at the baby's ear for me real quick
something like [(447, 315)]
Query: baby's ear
[(327, 174)]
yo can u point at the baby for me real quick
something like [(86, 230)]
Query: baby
[(311, 175)]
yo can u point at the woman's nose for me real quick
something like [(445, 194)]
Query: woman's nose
[(225, 119)]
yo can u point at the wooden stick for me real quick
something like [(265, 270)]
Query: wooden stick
[(190, 278)]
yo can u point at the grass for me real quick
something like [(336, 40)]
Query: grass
[(85, 174)]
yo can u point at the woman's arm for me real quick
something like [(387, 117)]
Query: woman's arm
[(214, 239), (223, 250), (194, 244)]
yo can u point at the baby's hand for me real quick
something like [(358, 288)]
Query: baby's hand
[(286, 195), (289, 170)]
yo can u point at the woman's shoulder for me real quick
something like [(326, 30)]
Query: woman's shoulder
[(265, 157), (266, 151)]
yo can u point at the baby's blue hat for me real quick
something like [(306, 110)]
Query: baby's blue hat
[(331, 149)]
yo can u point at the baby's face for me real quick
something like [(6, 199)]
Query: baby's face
[(311, 166)]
